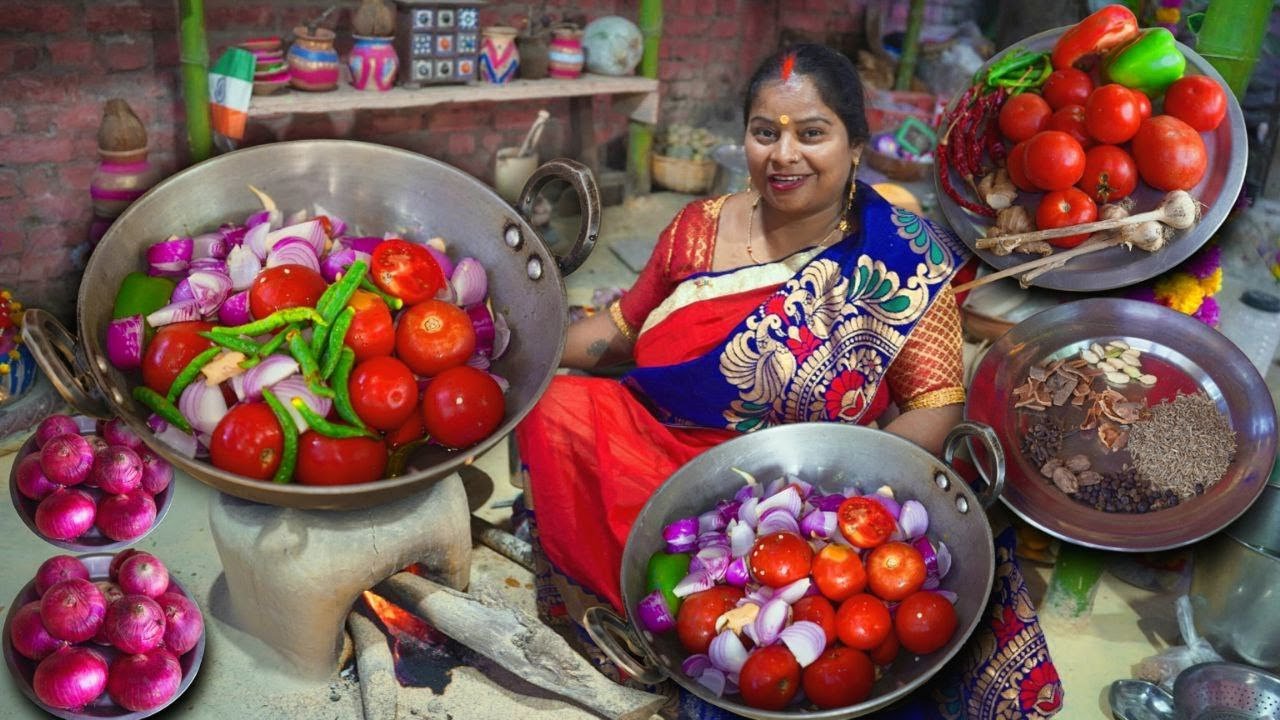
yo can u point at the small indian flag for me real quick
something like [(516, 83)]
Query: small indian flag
[(230, 87)]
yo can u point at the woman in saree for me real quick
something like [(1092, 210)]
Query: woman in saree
[(806, 298)]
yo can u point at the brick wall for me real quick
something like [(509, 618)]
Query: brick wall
[(60, 60)]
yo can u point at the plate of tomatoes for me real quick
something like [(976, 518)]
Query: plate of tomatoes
[(1084, 119)]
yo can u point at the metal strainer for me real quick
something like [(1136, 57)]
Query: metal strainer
[(1208, 691)]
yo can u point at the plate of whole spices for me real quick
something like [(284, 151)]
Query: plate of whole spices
[(1128, 426)]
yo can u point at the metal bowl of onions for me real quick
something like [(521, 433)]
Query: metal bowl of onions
[(85, 485), (133, 638)]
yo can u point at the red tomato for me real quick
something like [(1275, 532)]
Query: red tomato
[(1068, 86), (840, 677), (895, 570), (434, 336), (406, 270), (864, 522), (172, 348), (1055, 161), (925, 622), (863, 622), (1112, 114), (1144, 104), (372, 332), (1197, 101), (247, 441), (384, 392), (1016, 164), (838, 572), (696, 618), (1170, 153), (1109, 173), (1061, 208), (1023, 116), (411, 430), (1070, 120), (323, 460), (462, 406), (887, 651), (770, 678), (285, 286), (779, 559), (819, 610)]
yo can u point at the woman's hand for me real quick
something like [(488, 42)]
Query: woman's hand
[(927, 427), (595, 342)]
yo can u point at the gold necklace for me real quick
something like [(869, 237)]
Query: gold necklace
[(751, 216)]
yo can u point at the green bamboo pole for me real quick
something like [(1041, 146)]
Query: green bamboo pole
[(640, 145), (910, 46), (195, 77)]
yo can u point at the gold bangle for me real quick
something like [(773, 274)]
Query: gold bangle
[(934, 399), (624, 327)]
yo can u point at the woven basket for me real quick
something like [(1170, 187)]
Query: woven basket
[(686, 176)]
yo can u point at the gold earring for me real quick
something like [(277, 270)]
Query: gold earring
[(845, 224)]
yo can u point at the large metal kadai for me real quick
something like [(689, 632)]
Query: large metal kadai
[(372, 187)]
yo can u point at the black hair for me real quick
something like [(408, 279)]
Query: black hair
[(832, 73)]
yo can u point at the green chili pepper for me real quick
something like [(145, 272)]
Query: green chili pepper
[(399, 458), (392, 301), (336, 337), (269, 347), (191, 372), (274, 321), (161, 406), (307, 362), (342, 292), (1149, 64), (289, 460), (1013, 64), (664, 572), (342, 394), (324, 427), (234, 342)]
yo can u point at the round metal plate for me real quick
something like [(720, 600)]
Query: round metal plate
[(1186, 355), (1227, 148), (23, 669)]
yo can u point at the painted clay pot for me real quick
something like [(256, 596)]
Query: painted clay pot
[(373, 63), (120, 178), (499, 58), (535, 56), (313, 63), (566, 52)]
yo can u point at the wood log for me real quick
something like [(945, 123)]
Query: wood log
[(520, 643), (379, 689), (502, 542)]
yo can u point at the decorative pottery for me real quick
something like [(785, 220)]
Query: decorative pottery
[(313, 63), (499, 57), (438, 41), (270, 69), (124, 173), (17, 365), (373, 63), (613, 45), (566, 52), (535, 56)]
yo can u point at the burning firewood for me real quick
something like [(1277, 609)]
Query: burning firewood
[(379, 688)]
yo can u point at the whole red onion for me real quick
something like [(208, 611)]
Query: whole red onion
[(145, 681), (59, 568), (126, 517), (113, 570), (53, 426), (73, 610), (65, 514), (117, 469), (66, 459), (183, 622), (70, 678), (143, 574), (30, 639), (30, 479), (135, 624), (157, 473), (117, 432)]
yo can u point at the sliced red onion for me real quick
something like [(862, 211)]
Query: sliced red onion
[(209, 288), (787, 498), (502, 382), (182, 311), (818, 524), (714, 680), (737, 573), (296, 217), (233, 234), (805, 489), (182, 443), (311, 231), (181, 291), (713, 561), (125, 339), (209, 245), (364, 244), (695, 664), (696, 581), (826, 503), (337, 225), (293, 251), (741, 538), (727, 651), (267, 373), (482, 323), (256, 241), (728, 510), (914, 520), (681, 535), (501, 335), (777, 520), (887, 502), (950, 596), (269, 209), (469, 281), (653, 613), (752, 488), (258, 218), (338, 260), (242, 267), (793, 591), (446, 265), (202, 406), (479, 361), (295, 387), (805, 639), (235, 310), (758, 595), (944, 560), (747, 512), (214, 264), (772, 618), (170, 257)]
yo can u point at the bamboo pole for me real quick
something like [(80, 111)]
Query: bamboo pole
[(910, 47), (640, 135), (195, 77)]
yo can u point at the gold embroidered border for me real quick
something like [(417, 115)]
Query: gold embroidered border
[(935, 399), (624, 327)]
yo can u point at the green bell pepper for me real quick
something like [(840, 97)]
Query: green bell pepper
[(141, 294), (664, 572), (1150, 63)]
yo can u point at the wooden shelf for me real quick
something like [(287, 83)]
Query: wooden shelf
[(640, 101)]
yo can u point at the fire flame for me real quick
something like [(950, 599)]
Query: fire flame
[(399, 621)]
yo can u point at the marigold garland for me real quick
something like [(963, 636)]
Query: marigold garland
[(1190, 288)]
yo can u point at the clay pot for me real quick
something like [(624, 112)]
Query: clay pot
[(535, 56), (121, 130), (119, 179), (313, 63), (373, 63), (499, 58), (566, 54)]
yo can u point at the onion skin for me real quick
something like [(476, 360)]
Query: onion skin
[(184, 624), (113, 569), (73, 610), (143, 574), (70, 678), (59, 568), (53, 426), (111, 592), (66, 459), (30, 479), (144, 681), (135, 624), (126, 517), (65, 514), (117, 432), (117, 469), (30, 639), (157, 473)]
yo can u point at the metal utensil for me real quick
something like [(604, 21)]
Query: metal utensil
[(1140, 700), (1233, 591), (1186, 355), (1226, 691)]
